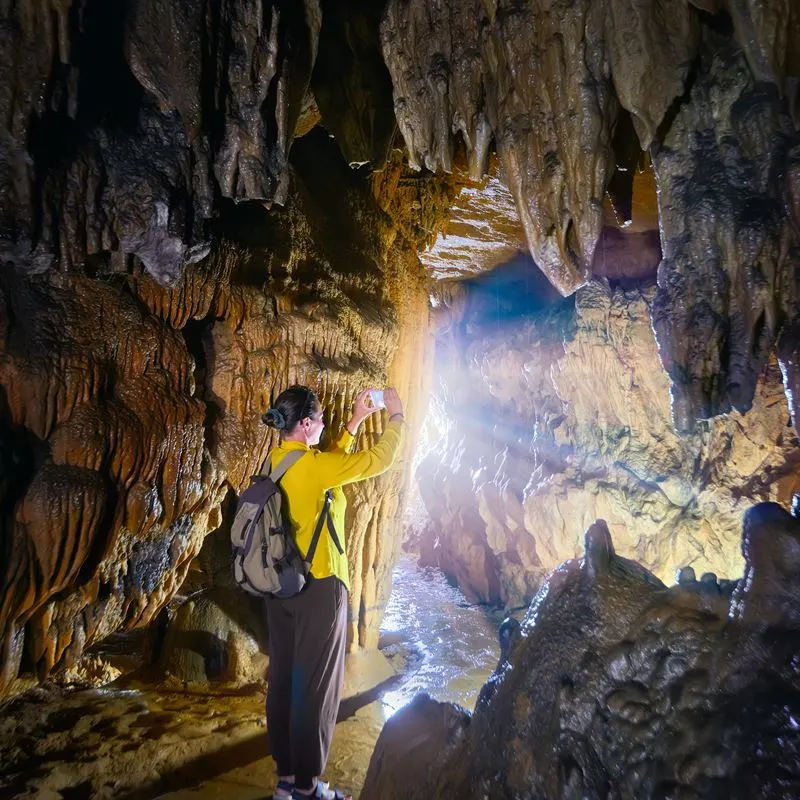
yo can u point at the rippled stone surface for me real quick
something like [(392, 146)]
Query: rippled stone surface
[(131, 410), (619, 685)]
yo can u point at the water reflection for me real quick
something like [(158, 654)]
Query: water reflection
[(452, 645)]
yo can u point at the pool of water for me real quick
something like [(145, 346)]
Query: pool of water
[(452, 645)]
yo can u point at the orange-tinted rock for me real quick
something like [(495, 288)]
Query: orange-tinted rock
[(483, 231), (106, 388), (136, 407)]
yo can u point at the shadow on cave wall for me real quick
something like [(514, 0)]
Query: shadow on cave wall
[(509, 293), (328, 192)]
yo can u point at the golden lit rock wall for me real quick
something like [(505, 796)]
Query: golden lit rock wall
[(132, 408), (549, 421), (178, 243)]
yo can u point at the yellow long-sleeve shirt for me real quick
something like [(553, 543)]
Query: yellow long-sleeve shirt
[(305, 483)]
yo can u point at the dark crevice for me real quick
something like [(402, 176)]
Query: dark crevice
[(627, 153), (758, 334), (213, 67), (107, 89), (677, 104), (196, 336), (720, 22), (351, 82), (194, 332), (21, 456)]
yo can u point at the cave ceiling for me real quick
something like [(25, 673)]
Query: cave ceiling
[(195, 195), (127, 129)]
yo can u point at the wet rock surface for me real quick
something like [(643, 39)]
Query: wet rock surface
[(401, 765), (720, 171), (547, 415), (143, 737), (620, 686)]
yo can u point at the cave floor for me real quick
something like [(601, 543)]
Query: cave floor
[(136, 742), (238, 772)]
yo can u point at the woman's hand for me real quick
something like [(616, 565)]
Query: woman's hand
[(362, 408), (394, 405)]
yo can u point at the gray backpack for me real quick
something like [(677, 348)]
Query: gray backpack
[(266, 559)]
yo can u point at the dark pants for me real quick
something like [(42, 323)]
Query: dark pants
[(307, 641)]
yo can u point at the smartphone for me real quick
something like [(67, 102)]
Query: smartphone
[(376, 397)]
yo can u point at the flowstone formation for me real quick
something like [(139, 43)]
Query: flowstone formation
[(547, 414), (617, 686), (202, 202), (180, 241), (132, 409)]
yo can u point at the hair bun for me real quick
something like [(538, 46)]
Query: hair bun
[(274, 419)]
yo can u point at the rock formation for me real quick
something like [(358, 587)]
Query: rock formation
[(723, 211), (202, 202), (546, 415), (133, 408), (621, 687), (562, 94)]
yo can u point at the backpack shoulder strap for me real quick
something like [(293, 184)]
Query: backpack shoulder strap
[(325, 516), (288, 461)]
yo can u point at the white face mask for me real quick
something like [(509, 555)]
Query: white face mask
[(313, 429)]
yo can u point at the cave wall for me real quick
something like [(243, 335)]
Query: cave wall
[(179, 242), (180, 239), (131, 409), (571, 94), (549, 414)]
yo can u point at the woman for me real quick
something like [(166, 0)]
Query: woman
[(308, 632)]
